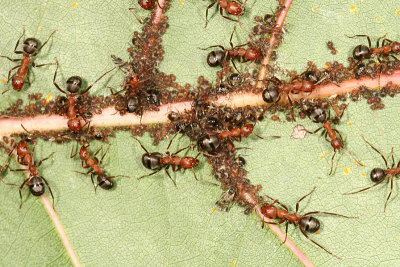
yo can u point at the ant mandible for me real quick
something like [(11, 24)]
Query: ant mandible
[(30, 50), (305, 222), (218, 57), (235, 8), (73, 85), (379, 175), (318, 114), (361, 52), (157, 161), (94, 164)]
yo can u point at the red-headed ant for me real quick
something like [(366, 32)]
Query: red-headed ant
[(30, 50), (146, 5), (94, 166), (235, 8), (379, 175), (73, 85), (305, 222)]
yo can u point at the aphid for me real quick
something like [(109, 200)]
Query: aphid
[(240, 161), (174, 116), (379, 175), (318, 114), (237, 133), (157, 161), (359, 70), (35, 180), (234, 8), (361, 52), (30, 50), (225, 202), (218, 57), (235, 79), (305, 222), (73, 85), (94, 166)]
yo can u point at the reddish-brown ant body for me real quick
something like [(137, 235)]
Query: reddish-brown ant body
[(319, 115), (30, 50), (94, 166), (235, 8), (379, 175), (73, 85), (305, 222), (243, 131), (157, 161), (361, 52)]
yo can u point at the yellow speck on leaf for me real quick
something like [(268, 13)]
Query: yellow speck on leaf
[(48, 98), (213, 209), (349, 123), (326, 153), (3, 81), (363, 174), (397, 11), (347, 170), (378, 19), (317, 232), (233, 263), (325, 67), (41, 27), (353, 9), (337, 51), (74, 4), (181, 2), (314, 9)]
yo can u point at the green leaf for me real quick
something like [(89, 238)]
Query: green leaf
[(149, 222)]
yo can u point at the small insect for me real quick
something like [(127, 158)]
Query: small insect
[(235, 8), (94, 166), (157, 161), (218, 57), (73, 85), (225, 202), (319, 115), (379, 175), (30, 50), (331, 47), (305, 222), (244, 131), (361, 52)]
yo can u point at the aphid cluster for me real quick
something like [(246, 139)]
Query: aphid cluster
[(214, 130)]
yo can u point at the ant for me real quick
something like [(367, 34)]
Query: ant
[(218, 57), (361, 52), (318, 114), (305, 222), (235, 8), (146, 5), (103, 180), (156, 161), (73, 85), (244, 131), (30, 50), (35, 180), (379, 175)]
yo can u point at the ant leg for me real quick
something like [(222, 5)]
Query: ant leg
[(329, 213), (41, 65), (12, 59), (51, 193), (391, 191), (98, 79), (314, 131), (334, 154), (386, 40), (19, 39), (386, 163), (225, 17), (9, 72), (315, 243), (37, 51), (301, 199), (377, 41), (286, 230), (40, 162), (210, 6), (204, 181), (219, 46), (76, 152), (291, 107), (234, 29), (366, 188), (361, 35), (166, 170), (101, 160), (54, 79), (94, 186), (131, 10), (149, 174), (170, 142), (20, 188)]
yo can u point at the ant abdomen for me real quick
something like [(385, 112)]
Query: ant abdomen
[(309, 224), (208, 143), (377, 175), (74, 83), (361, 52), (151, 161), (318, 114), (36, 186), (104, 182), (30, 45), (270, 95), (216, 58)]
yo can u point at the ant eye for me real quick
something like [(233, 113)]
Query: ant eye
[(30, 45), (74, 83)]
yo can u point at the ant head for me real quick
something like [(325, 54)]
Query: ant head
[(74, 83), (147, 4), (318, 114), (270, 94), (104, 182), (246, 129), (36, 186), (311, 76), (396, 47), (377, 175), (132, 104), (361, 52), (235, 79), (216, 58), (151, 161), (336, 144), (30, 45), (309, 224)]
